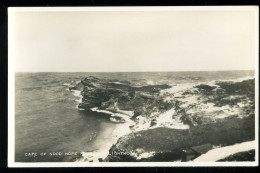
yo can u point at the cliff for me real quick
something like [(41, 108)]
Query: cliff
[(165, 144), (115, 96), (168, 119)]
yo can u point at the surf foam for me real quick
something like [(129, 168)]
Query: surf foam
[(120, 130)]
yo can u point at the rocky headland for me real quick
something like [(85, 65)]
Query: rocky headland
[(169, 119)]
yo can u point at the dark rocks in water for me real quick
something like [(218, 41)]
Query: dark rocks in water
[(117, 119), (78, 86), (86, 105), (90, 79)]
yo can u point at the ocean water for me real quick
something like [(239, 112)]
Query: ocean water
[(48, 123)]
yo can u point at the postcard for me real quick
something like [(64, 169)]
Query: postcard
[(133, 86)]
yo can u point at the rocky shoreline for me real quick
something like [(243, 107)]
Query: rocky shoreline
[(165, 144), (168, 119)]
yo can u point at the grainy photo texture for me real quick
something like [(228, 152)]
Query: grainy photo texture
[(133, 86)]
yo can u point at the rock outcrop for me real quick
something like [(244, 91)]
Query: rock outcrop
[(207, 103), (169, 119), (116, 96), (167, 144)]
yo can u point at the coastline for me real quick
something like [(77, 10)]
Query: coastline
[(130, 126), (120, 130), (114, 134)]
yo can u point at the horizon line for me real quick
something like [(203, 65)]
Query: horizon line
[(128, 71)]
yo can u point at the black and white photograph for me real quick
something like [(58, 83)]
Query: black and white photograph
[(133, 86)]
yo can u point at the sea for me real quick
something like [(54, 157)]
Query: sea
[(49, 127)]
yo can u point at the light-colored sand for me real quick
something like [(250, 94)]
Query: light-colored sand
[(107, 137), (223, 152)]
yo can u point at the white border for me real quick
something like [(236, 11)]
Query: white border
[(139, 8), (256, 83), (11, 91)]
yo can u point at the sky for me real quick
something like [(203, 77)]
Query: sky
[(126, 41)]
